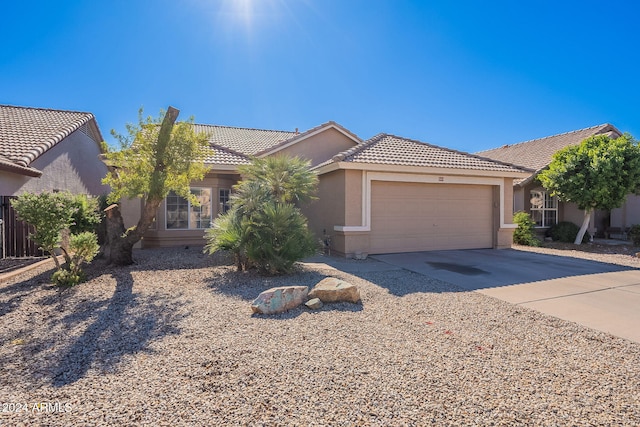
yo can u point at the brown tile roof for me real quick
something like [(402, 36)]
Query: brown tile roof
[(225, 156), (394, 150), (245, 141), (537, 153), (26, 133), (235, 146)]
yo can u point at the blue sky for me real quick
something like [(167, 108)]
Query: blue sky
[(468, 75)]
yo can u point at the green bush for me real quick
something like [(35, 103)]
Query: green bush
[(634, 233), (83, 248), (279, 237), (67, 277), (61, 222), (264, 227), (566, 232), (525, 233)]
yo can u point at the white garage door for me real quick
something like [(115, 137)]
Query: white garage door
[(408, 217)]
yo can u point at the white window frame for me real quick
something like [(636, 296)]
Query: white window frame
[(190, 211), (543, 203)]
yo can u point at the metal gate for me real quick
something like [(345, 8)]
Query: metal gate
[(14, 234)]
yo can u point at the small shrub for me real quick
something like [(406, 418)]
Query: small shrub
[(634, 233), (566, 232), (525, 233), (67, 277)]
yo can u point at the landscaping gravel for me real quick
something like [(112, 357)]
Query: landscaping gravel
[(172, 341)]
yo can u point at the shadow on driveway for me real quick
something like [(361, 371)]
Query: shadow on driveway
[(488, 268)]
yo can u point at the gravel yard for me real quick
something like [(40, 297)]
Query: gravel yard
[(172, 341)]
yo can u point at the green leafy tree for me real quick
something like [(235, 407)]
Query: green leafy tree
[(264, 227), (597, 174), (62, 222), (155, 157)]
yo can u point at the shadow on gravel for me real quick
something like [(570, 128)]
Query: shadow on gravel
[(247, 285), (298, 311), (12, 295), (123, 325)]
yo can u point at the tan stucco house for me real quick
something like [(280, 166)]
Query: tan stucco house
[(386, 194), (530, 196), (45, 150)]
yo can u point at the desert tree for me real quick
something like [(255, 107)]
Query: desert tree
[(156, 156), (598, 173)]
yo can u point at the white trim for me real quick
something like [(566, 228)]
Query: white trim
[(368, 177), (373, 167)]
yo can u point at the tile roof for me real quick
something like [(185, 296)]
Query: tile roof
[(298, 136), (537, 153), (245, 141), (394, 150), (26, 133), (236, 146), (225, 156)]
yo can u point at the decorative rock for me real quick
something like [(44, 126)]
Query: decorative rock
[(314, 304), (335, 290), (278, 300)]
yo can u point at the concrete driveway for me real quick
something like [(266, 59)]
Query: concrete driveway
[(601, 296)]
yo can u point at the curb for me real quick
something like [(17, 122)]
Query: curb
[(10, 275)]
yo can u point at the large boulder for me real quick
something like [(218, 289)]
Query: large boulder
[(278, 300), (331, 289)]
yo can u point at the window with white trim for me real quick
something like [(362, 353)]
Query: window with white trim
[(223, 200), (544, 208), (182, 215)]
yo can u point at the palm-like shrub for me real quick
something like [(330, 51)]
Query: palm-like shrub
[(278, 237), (264, 227)]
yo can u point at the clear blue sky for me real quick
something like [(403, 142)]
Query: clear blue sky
[(469, 75)]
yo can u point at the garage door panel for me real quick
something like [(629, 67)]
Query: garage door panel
[(416, 217)]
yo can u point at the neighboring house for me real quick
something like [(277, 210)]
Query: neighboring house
[(45, 150), (530, 196), (387, 194)]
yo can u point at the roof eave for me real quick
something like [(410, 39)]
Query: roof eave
[(374, 167), (20, 170)]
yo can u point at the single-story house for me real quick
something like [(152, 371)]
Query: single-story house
[(530, 196), (45, 150), (386, 194)]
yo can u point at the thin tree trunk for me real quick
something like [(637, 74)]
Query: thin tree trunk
[(585, 225)]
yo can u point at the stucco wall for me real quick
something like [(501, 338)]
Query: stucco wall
[(329, 209), (72, 165), (628, 214), (159, 236), (321, 147), (518, 199)]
